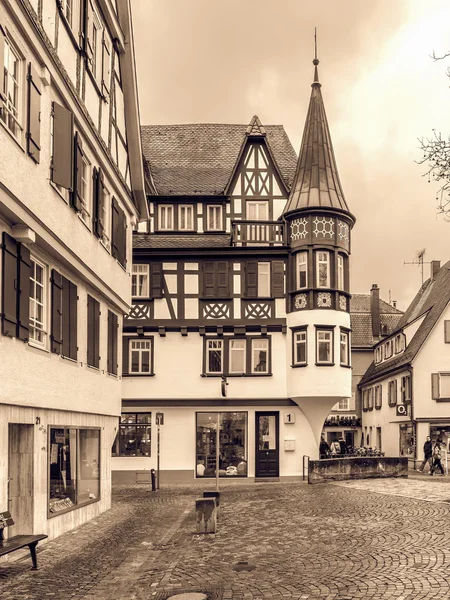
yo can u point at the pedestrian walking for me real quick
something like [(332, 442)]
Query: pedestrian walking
[(437, 459), (428, 454)]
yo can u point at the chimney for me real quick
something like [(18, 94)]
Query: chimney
[(394, 303), (375, 309), (435, 266)]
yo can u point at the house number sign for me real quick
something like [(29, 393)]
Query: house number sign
[(289, 417)]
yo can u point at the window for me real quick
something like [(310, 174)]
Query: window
[(74, 468), (237, 356), (302, 270), (324, 347), (165, 217), (216, 279), (64, 316), (263, 279), (38, 303), (343, 404), (113, 325), (214, 218), (345, 348), (388, 349), (134, 437), (378, 396), (214, 358), (365, 398), (93, 41), (140, 281), (85, 191), (447, 332), (406, 388), (299, 350), (10, 114), (140, 356), (119, 234), (378, 354), (392, 392), (232, 444), (257, 211), (440, 386), (323, 269), (399, 343), (370, 398), (93, 333), (260, 355), (186, 217), (16, 284), (340, 273)]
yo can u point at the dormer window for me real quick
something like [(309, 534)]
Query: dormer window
[(214, 218), (389, 349), (186, 217), (378, 354), (165, 217), (323, 269), (399, 343)]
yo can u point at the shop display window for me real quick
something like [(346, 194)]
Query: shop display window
[(134, 435), (407, 440), (232, 444), (74, 468)]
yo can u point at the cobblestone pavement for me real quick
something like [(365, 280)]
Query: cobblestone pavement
[(367, 539)]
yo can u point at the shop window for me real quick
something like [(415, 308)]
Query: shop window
[(301, 260), (74, 468), (232, 439), (323, 269), (378, 396), (237, 356), (440, 386), (392, 392), (214, 218), (134, 435), (407, 440), (140, 281), (299, 350), (345, 348), (324, 346)]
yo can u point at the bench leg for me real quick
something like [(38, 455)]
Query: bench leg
[(32, 548)]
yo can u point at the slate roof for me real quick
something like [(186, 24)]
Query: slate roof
[(361, 320), (199, 159), (316, 182), (431, 300), (187, 241)]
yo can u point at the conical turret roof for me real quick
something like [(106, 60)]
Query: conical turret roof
[(316, 181)]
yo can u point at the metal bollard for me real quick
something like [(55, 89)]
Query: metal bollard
[(153, 476)]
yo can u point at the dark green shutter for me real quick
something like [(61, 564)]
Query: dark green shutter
[(73, 321), (112, 343), (75, 196), (34, 114), (115, 218), (156, 280), (93, 332), (125, 353), (56, 319), (223, 280), (23, 300), (98, 199), (62, 153), (209, 279), (9, 285), (278, 279), (251, 279)]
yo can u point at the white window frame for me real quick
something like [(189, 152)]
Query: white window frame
[(324, 336), (237, 347), (343, 404), (399, 343), (12, 113), (188, 210), (258, 345), (140, 346), (40, 326), (166, 217), (300, 339), (344, 345), (378, 355), (264, 280), (340, 272), (301, 259), (140, 273), (214, 345), (257, 205), (388, 345), (216, 210), (441, 377), (323, 258)]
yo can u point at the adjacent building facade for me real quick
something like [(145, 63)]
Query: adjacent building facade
[(239, 333), (71, 190)]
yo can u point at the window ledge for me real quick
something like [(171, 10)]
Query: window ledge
[(299, 366), (92, 368), (377, 407), (74, 361), (12, 136), (324, 364), (37, 346), (83, 221), (53, 185), (442, 399), (138, 375), (236, 375), (346, 366)]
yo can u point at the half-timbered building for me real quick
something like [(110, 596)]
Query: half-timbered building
[(240, 329)]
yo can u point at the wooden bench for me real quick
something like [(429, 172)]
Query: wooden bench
[(17, 541)]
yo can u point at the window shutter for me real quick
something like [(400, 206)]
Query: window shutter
[(106, 64), (9, 285), (278, 279), (112, 342), (96, 345), (435, 386), (109, 361), (34, 114), (98, 200), (251, 279), (89, 42), (62, 154), (23, 300), (125, 357), (156, 280), (2, 57), (122, 238), (209, 279), (447, 332), (93, 332), (65, 347), (223, 283), (73, 321), (394, 386), (115, 219), (56, 335), (75, 196)]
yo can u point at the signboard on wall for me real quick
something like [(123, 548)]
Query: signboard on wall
[(159, 418), (401, 410)]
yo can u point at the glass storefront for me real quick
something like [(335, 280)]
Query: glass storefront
[(232, 444), (74, 467), (407, 440), (134, 435)]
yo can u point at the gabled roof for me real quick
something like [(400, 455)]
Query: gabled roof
[(199, 159), (185, 241), (316, 182), (431, 301), (361, 320)]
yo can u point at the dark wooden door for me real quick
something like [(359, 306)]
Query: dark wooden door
[(267, 444)]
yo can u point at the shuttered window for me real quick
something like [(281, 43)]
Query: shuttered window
[(2, 57), (11, 68), (106, 64), (62, 146), (93, 333), (56, 325), (119, 235), (392, 392), (64, 316), (216, 280), (76, 197), (264, 279), (440, 386), (98, 204), (112, 343), (156, 280), (34, 114)]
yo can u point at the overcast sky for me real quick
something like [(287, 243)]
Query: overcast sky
[(222, 61)]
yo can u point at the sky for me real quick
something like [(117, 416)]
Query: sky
[(222, 61)]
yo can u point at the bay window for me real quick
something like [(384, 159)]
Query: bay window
[(299, 352), (323, 269), (345, 348), (324, 346), (340, 272), (237, 356), (302, 270)]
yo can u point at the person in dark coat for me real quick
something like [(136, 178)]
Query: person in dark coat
[(427, 453), (324, 448), (343, 445)]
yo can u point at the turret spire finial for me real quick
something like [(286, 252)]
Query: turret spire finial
[(316, 60)]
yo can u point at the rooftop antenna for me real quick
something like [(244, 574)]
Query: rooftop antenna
[(419, 260)]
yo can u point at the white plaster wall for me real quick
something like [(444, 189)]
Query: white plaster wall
[(178, 367), (67, 53), (410, 330), (48, 19), (92, 100)]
